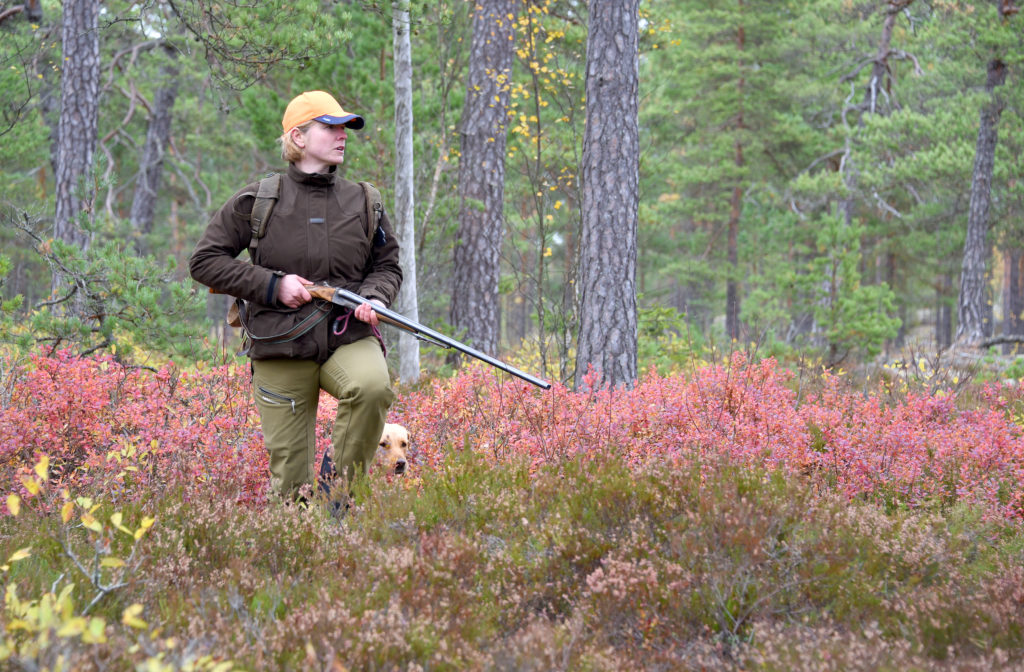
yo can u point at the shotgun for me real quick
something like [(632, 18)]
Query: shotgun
[(344, 297)]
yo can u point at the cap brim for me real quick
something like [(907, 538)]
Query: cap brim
[(349, 120)]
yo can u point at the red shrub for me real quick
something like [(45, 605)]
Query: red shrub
[(130, 428), (133, 429)]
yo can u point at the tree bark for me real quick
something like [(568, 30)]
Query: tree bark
[(475, 307), (973, 326), (732, 285), (408, 305), (944, 312), (154, 150), (610, 192), (1013, 296), (79, 118)]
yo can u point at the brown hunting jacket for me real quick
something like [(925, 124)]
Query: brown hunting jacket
[(317, 230)]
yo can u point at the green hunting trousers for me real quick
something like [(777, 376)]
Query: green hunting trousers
[(287, 393)]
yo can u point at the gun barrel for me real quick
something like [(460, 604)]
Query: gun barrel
[(397, 320)]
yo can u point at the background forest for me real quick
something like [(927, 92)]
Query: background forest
[(806, 168)]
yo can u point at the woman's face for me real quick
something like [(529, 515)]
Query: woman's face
[(322, 146)]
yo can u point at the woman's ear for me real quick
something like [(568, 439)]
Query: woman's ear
[(299, 138)]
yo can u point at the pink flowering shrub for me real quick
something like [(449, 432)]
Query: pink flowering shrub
[(129, 429)]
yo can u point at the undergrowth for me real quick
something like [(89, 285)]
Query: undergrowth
[(717, 521), (590, 564)]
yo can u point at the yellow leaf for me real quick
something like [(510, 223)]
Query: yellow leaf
[(64, 601), (66, 511), (42, 467), (20, 554), (31, 484), (112, 562), (130, 617), (72, 627), (95, 634), (45, 614), (116, 521), (91, 523), (14, 504), (144, 525)]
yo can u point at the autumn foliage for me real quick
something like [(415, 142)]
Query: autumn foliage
[(740, 517), (131, 429)]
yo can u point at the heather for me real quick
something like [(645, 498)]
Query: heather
[(737, 516)]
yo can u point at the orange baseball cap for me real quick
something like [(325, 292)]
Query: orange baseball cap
[(318, 105)]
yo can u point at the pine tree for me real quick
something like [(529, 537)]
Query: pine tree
[(482, 129), (611, 194)]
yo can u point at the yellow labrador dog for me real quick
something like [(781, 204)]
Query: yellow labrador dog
[(394, 442), (391, 451)]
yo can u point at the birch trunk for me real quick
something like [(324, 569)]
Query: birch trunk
[(407, 304)]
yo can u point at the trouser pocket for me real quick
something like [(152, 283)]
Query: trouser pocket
[(286, 394), (274, 399)]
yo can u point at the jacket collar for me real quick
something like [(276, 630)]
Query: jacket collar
[(312, 179)]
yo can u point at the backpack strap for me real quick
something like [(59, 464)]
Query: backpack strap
[(374, 211), (266, 197)]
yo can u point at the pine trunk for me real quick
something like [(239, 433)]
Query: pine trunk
[(475, 307), (973, 324), (610, 189), (732, 287), (1013, 298), (79, 117), (151, 163)]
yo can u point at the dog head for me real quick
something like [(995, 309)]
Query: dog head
[(394, 442)]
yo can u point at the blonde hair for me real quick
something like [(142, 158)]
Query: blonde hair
[(291, 152)]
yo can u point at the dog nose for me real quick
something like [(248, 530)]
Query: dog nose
[(400, 467)]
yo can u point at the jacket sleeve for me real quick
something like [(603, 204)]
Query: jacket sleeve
[(384, 275), (215, 262)]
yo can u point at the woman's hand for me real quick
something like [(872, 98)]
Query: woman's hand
[(364, 312), (291, 291)]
